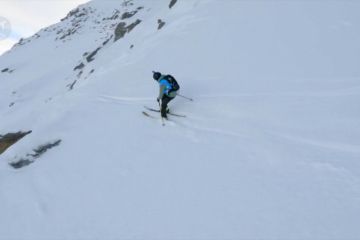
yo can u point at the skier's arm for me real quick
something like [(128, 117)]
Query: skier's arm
[(161, 91)]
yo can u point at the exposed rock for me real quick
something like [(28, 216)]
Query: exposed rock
[(81, 14), (7, 70), (172, 3), (127, 3), (76, 13), (79, 67), (128, 15), (76, 18), (161, 24), (122, 29), (11, 138), (38, 152), (132, 46), (22, 41), (104, 43), (133, 25), (71, 86), (79, 74), (43, 148), (91, 56), (73, 12), (69, 32), (114, 16), (11, 104), (21, 163)]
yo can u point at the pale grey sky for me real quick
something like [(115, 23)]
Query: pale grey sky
[(29, 16)]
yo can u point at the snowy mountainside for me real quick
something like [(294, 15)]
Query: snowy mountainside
[(269, 148)]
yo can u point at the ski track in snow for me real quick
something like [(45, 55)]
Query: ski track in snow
[(123, 100), (183, 122), (269, 148), (321, 144)]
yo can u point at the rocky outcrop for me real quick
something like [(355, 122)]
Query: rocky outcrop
[(79, 67), (71, 85), (7, 70), (128, 15), (91, 56), (172, 3), (121, 29), (31, 158), (160, 24), (9, 139)]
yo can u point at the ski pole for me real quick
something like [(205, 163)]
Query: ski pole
[(190, 99)]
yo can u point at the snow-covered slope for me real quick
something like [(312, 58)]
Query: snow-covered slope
[(269, 148)]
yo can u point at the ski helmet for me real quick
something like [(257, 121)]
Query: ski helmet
[(156, 75)]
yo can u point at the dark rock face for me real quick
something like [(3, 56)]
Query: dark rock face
[(38, 152), (43, 148), (9, 139), (133, 25), (21, 163), (161, 24), (71, 86), (79, 74), (76, 13), (172, 3), (92, 55), (114, 16), (106, 42), (79, 67), (22, 41), (122, 29), (75, 18), (68, 33), (7, 70), (127, 3), (128, 15), (73, 12)]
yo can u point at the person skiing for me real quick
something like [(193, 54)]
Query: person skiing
[(168, 91)]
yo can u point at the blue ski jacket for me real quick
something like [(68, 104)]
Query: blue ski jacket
[(165, 88)]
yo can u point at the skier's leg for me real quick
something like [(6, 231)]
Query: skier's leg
[(164, 102)]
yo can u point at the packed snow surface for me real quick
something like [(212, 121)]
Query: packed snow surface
[(270, 147)]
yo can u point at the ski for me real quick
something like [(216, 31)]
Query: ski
[(150, 116), (172, 114)]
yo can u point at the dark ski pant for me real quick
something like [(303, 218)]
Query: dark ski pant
[(164, 102)]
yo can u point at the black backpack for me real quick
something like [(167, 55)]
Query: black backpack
[(174, 84)]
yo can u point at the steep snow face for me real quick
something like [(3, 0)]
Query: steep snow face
[(269, 147)]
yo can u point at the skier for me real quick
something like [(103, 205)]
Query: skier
[(168, 91)]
